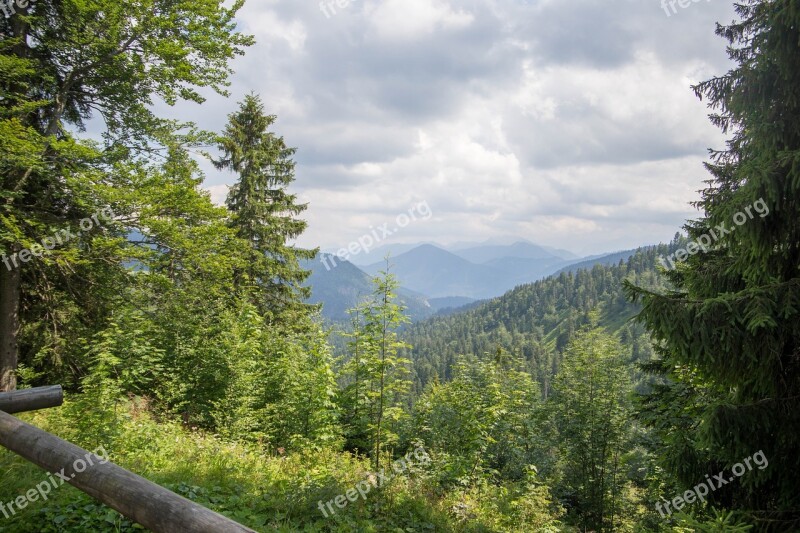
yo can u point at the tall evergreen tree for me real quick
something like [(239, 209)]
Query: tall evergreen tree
[(263, 212), (733, 322)]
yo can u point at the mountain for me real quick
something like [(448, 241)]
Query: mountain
[(436, 272), (518, 250), (434, 281), (338, 288), (341, 287), (477, 272), (377, 254), (521, 262), (494, 248)]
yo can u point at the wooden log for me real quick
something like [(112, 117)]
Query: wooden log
[(142, 501), (31, 399)]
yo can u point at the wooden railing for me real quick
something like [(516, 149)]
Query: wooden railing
[(144, 502)]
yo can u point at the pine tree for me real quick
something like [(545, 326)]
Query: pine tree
[(376, 374), (732, 325), (381, 323), (353, 396), (591, 413), (262, 211)]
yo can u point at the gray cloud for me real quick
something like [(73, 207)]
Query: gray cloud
[(560, 121)]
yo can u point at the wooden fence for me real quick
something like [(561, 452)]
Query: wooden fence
[(144, 502)]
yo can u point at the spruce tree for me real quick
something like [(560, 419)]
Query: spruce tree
[(376, 374), (382, 319), (262, 211), (730, 333), (591, 413), (354, 396)]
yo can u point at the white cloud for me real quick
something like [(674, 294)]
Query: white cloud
[(412, 19), (568, 123)]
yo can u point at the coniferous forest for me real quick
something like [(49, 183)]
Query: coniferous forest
[(637, 394)]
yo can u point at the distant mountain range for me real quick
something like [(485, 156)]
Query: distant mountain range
[(435, 280), (476, 271), (344, 286), (499, 246)]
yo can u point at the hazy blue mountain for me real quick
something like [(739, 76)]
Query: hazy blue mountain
[(439, 273), (478, 252), (519, 250), (343, 286), (521, 262), (508, 241), (504, 240), (564, 254), (437, 281), (477, 272), (377, 254)]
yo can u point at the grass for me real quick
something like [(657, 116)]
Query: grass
[(266, 493)]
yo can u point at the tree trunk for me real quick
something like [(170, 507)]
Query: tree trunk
[(9, 326)]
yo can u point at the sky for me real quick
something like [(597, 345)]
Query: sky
[(569, 123)]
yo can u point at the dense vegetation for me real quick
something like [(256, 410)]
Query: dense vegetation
[(182, 334), (537, 321), (729, 335)]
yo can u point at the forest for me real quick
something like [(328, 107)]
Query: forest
[(623, 397)]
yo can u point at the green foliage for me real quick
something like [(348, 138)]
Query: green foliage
[(721, 521), (281, 389), (591, 413), (523, 506), (729, 334), (67, 62), (262, 211), (374, 376), (261, 491), (483, 423)]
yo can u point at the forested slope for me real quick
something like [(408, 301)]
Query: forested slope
[(536, 321)]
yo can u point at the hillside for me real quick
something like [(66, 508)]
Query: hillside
[(535, 321), (604, 259)]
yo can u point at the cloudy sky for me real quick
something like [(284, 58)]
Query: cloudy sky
[(570, 123)]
